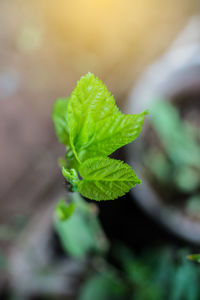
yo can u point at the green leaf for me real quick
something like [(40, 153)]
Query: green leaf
[(81, 233), (106, 178), (185, 284), (59, 116), (186, 178), (194, 257), (97, 127), (64, 210), (103, 286), (174, 135), (71, 176), (112, 133), (62, 162), (193, 205), (89, 100)]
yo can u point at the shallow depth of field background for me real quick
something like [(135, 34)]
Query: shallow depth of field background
[(45, 46)]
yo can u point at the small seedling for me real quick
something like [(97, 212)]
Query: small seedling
[(177, 162), (91, 127)]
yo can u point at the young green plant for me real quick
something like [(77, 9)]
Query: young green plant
[(91, 127)]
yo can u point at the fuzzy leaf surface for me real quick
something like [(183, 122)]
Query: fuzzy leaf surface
[(59, 116), (106, 178)]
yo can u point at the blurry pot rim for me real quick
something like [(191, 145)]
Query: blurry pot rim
[(176, 72)]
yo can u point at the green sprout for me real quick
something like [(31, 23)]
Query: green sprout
[(91, 127)]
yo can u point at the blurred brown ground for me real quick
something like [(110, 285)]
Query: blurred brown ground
[(45, 46)]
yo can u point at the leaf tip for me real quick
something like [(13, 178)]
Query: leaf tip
[(146, 112)]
